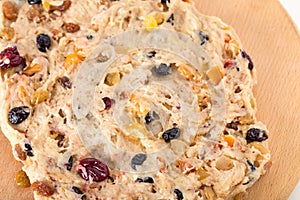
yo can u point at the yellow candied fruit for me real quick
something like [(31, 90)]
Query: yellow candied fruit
[(21, 92), (7, 33), (46, 5), (39, 96), (203, 174), (215, 75), (150, 23), (72, 60), (229, 139), (112, 78), (29, 71), (22, 179)]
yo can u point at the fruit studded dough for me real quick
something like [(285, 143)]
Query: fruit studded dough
[(149, 102)]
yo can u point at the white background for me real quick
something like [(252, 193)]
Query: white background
[(293, 8)]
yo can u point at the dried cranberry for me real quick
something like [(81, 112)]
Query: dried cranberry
[(43, 42), (145, 180), (94, 168), (228, 63), (10, 57), (171, 134), (178, 194), (108, 102), (138, 159), (255, 134), (250, 64), (18, 114)]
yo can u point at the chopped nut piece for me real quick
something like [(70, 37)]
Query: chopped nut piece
[(71, 27), (10, 10), (20, 153), (32, 13)]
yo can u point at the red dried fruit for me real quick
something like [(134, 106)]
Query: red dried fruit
[(10, 57), (91, 167), (42, 189), (108, 102), (228, 63)]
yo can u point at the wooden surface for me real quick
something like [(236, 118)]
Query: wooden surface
[(271, 39)]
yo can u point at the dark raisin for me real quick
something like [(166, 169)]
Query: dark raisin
[(43, 42), (164, 3), (65, 82), (89, 37), (255, 134), (69, 165), (31, 2), (145, 180), (151, 54), (18, 114), (250, 64), (203, 37), (252, 167), (162, 69), (171, 19), (76, 190), (150, 117), (171, 134), (28, 147), (94, 169), (84, 197), (30, 154), (108, 102), (178, 194), (138, 159), (233, 125), (10, 57)]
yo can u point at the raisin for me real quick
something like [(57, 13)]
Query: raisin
[(72, 28), (28, 147), (94, 168), (151, 54), (171, 134), (171, 19), (84, 197), (10, 57), (20, 153), (22, 179), (108, 102), (43, 42), (246, 56), (233, 125), (42, 189), (76, 190), (255, 134), (18, 114), (252, 167), (65, 82), (69, 165), (150, 117), (65, 6), (163, 69), (145, 180), (89, 37), (178, 194), (138, 159), (165, 6), (10, 10), (29, 153), (203, 37), (31, 2)]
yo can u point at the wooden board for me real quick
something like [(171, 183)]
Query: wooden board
[(272, 40)]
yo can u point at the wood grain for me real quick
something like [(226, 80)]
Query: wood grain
[(272, 40)]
